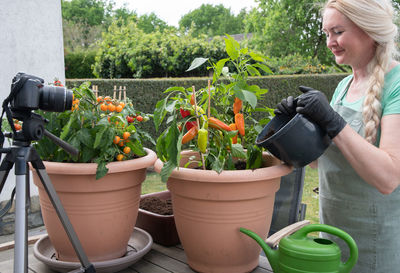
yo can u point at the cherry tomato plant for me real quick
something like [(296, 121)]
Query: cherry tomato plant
[(102, 129), (219, 120)]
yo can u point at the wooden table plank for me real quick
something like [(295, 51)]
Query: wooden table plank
[(167, 262), (145, 266), (160, 259)]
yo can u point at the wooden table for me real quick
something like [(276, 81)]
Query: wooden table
[(159, 260)]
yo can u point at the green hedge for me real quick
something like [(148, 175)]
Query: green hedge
[(146, 92), (79, 64)]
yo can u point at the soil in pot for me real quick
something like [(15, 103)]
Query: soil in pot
[(157, 218), (157, 205)]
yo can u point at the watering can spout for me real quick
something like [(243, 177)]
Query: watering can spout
[(271, 254)]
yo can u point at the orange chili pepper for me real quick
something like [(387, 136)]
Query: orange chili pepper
[(233, 127), (189, 135), (192, 99), (239, 121), (216, 123), (237, 105)]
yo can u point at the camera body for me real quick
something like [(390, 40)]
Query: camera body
[(30, 93)]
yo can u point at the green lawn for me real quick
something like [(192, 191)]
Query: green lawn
[(310, 198), (153, 183)]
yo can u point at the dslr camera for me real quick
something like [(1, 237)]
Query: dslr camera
[(29, 93)]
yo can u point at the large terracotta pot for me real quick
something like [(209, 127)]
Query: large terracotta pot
[(103, 212), (209, 208)]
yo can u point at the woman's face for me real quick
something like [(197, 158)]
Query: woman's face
[(349, 43)]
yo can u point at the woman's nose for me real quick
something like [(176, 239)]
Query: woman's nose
[(330, 41)]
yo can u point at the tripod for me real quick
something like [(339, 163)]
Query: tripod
[(20, 154)]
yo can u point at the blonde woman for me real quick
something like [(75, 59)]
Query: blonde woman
[(360, 172)]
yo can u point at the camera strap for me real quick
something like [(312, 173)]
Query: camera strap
[(18, 81)]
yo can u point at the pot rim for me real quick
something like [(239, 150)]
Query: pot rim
[(113, 167), (228, 176)]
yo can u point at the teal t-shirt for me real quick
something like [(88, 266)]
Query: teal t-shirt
[(390, 101)]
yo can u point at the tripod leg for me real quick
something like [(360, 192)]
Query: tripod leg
[(5, 167), (21, 228), (62, 215), (21, 219)]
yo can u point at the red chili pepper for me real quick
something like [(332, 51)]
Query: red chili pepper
[(184, 113), (190, 124)]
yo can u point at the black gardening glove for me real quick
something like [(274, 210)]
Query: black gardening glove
[(286, 107), (314, 104)]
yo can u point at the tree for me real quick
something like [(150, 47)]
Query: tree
[(212, 21), (83, 21), (150, 23), (287, 27)]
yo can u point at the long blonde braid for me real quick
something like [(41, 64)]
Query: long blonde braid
[(372, 111)]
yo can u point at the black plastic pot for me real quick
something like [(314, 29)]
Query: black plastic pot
[(295, 140)]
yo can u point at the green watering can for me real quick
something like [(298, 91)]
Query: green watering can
[(298, 252)]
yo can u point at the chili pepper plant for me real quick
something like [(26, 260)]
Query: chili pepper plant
[(102, 129), (217, 120)]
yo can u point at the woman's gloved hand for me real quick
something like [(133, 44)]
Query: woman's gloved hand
[(286, 107), (314, 105)]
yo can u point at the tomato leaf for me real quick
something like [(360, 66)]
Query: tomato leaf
[(99, 136)]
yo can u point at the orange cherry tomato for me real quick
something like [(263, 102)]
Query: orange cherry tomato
[(17, 126), (116, 139), (119, 108), (103, 107), (111, 107), (107, 99), (127, 150), (126, 135)]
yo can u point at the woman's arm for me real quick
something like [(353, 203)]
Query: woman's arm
[(379, 167)]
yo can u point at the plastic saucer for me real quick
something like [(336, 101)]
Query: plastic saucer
[(139, 244)]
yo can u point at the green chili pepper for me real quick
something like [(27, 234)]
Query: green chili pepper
[(202, 140)]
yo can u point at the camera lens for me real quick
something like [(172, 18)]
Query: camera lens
[(55, 99)]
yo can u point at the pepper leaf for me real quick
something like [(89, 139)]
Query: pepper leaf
[(196, 63)]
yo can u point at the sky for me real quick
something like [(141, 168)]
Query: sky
[(171, 11)]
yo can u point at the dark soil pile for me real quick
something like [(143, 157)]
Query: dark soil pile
[(156, 205)]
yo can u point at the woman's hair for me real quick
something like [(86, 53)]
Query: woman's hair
[(374, 17)]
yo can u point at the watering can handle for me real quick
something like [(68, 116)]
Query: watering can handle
[(351, 261), (275, 238)]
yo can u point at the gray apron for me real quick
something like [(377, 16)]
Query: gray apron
[(349, 203)]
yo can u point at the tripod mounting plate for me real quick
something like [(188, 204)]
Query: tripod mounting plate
[(139, 244)]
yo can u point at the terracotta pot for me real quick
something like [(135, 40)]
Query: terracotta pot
[(161, 227), (103, 212), (209, 208)]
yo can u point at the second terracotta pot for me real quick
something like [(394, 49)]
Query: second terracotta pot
[(209, 208)]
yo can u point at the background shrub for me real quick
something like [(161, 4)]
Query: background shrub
[(78, 64)]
